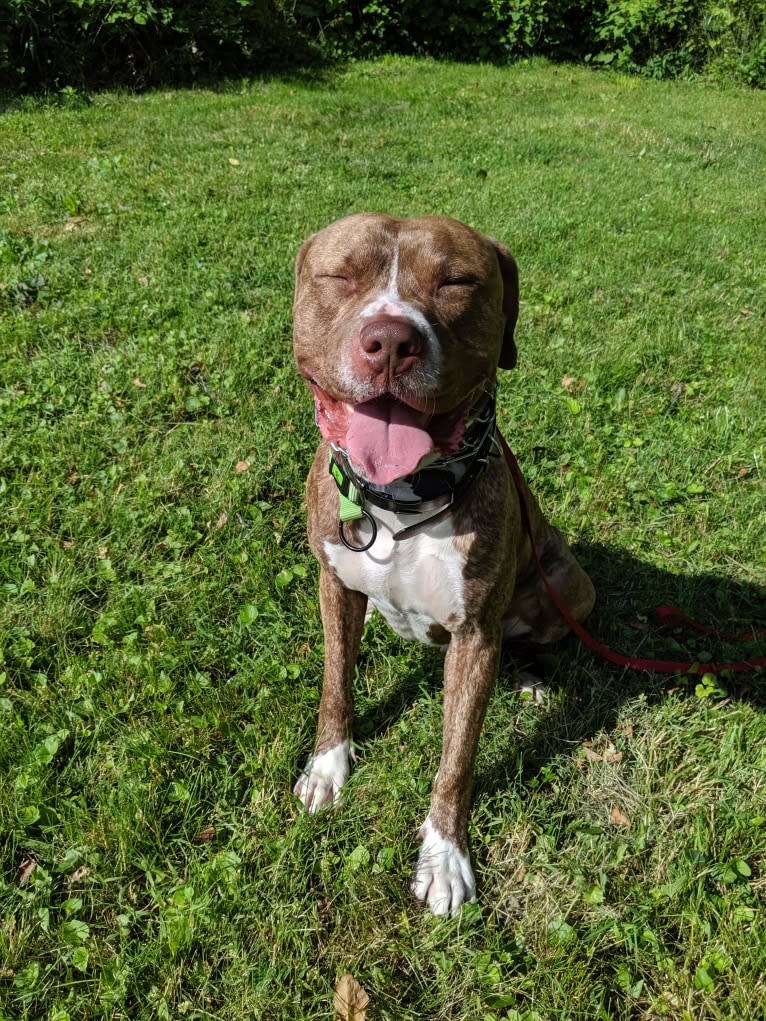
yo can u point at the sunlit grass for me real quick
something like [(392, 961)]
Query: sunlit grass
[(160, 645)]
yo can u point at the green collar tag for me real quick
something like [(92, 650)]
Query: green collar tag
[(350, 497)]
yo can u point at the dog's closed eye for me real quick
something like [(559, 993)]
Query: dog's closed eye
[(343, 282), (458, 281)]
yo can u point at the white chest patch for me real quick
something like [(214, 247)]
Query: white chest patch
[(417, 583)]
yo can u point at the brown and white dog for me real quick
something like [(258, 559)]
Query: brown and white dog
[(400, 327)]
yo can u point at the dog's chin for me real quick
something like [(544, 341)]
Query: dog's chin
[(386, 438)]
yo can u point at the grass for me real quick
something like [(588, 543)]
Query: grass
[(160, 646)]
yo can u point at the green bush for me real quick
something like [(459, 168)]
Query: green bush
[(85, 43), (58, 43), (648, 35), (733, 39), (489, 30), (666, 38)]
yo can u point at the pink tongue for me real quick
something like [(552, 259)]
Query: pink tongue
[(386, 440)]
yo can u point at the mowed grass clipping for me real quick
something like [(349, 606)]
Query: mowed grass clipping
[(161, 647)]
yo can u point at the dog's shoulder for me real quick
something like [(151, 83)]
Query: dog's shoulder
[(489, 533), (321, 503)]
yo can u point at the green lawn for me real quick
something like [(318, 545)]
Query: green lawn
[(160, 644)]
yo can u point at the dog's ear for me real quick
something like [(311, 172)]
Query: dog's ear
[(299, 259), (510, 274)]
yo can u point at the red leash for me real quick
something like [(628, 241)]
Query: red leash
[(667, 614)]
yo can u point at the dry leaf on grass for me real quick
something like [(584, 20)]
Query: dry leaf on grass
[(26, 869), (204, 836), (78, 874), (617, 817), (350, 999), (592, 756), (610, 754)]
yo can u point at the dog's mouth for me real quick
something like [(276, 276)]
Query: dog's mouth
[(384, 438)]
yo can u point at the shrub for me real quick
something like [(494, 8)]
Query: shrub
[(733, 38), (664, 38), (490, 30), (57, 43), (649, 35)]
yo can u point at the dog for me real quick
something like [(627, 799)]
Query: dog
[(400, 326)]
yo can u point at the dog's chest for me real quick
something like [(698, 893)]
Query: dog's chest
[(416, 583)]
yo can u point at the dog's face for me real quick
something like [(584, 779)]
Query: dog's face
[(400, 326)]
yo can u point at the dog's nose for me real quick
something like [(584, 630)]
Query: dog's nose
[(389, 345)]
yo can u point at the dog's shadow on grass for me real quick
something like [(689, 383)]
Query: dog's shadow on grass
[(589, 693)]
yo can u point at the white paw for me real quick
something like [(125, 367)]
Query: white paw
[(323, 776), (443, 876), (530, 687)]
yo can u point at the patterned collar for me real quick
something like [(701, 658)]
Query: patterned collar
[(433, 491)]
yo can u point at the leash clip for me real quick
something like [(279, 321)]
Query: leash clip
[(373, 537), (351, 508)]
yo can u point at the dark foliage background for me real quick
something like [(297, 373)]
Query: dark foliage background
[(55, 44)]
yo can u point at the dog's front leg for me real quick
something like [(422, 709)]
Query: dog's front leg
[(343, 620), (443, 876)]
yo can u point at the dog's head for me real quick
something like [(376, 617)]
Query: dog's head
[(399, 328)]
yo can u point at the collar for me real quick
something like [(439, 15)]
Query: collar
[(430, 493)]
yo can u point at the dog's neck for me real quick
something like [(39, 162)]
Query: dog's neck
[(435, 489)]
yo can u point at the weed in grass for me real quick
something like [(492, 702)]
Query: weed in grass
[(160, 645)]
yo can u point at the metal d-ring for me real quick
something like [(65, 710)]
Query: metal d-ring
[(373, 537)]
